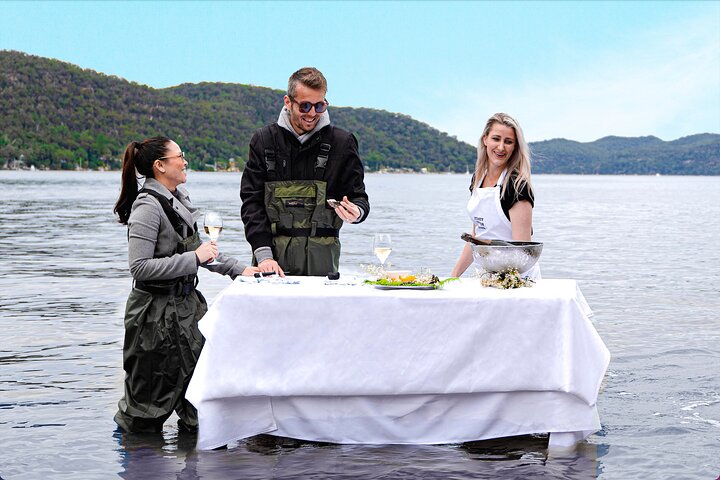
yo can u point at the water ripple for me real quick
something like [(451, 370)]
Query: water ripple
[(63, 291)]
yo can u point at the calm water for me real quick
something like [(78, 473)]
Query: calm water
[(644, 250)]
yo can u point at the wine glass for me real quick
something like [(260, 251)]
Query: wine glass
[(213, 225), (382, 247)]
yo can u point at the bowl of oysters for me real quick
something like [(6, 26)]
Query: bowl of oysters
[(497, 256)]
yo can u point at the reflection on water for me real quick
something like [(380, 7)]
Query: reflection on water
[(264, 456), (643, 250)]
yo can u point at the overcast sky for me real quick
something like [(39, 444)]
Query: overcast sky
[(577, 70)]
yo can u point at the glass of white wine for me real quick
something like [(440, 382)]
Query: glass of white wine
[(382, 247), (213, 225)]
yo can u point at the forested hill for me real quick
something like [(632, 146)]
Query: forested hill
[(57, 115), (693, 155)]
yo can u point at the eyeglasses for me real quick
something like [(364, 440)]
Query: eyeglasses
[(305, 107), (181, 155)]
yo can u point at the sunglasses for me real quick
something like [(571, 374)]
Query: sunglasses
[(181, 155), (305, 107)]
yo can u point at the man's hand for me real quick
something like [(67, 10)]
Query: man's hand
[(347, 211), (270, 265)]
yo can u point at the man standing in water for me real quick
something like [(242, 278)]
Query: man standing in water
[(296, 168)]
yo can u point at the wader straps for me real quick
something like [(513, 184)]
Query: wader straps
[(321, 161), (171, 214), (322, 158), (268, 140), (308, 232), (179, 288)]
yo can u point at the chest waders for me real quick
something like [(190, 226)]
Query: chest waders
[(305, 231), (162, 344)]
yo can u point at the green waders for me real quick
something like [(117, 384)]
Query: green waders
[(161, 348), (305, 231)]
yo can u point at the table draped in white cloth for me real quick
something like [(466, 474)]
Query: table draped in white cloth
[(355, 364)]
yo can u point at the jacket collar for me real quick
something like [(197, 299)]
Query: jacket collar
[(284, 122), (180, 201)]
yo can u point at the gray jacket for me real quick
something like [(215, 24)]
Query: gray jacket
[(152, 238)]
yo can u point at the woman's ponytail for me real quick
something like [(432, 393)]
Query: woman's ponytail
[(129, 186), (137, 163)]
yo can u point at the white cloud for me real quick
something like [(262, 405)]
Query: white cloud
[(665, 84)]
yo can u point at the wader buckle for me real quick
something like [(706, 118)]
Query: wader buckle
[(322, 157), (270, 160), (186, 289)]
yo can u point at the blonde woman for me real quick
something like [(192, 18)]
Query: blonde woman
[(502, 197)]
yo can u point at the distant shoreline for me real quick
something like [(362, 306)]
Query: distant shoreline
[(76, 122), (375, 172)]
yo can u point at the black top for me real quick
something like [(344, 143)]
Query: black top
[(344, 173), (509, 198)]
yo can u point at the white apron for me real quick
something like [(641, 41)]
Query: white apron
[(489, 220)]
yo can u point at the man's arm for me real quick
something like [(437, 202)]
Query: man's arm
[(252, 194), (353, 178)]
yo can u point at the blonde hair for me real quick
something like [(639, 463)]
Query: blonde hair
[(518, 165)]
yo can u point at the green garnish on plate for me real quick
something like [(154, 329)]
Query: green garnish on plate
[(435, 283)]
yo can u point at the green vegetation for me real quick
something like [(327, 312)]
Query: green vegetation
[(693, 155), (55, 115), (59, 116)]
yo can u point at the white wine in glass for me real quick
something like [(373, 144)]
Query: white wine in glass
[(382, 247), (213, 226)]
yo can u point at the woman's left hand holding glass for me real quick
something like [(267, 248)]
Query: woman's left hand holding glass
[(206, 252)]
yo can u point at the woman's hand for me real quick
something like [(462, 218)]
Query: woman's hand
[(207, 251), (348, 211), (250, 271)]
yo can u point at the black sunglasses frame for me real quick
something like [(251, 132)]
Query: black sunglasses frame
[(305, 107)]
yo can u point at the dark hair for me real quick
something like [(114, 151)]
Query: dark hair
[(311, 77), (137, 160)]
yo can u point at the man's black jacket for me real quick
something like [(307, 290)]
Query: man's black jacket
[(344, 173)]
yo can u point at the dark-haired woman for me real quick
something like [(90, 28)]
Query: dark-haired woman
[(162, 340)]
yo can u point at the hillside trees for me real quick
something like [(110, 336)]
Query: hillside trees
[(59, 116)]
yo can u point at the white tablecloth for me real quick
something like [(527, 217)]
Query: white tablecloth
[(354, 364)]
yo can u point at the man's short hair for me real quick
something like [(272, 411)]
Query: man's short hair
[(311, 77)]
